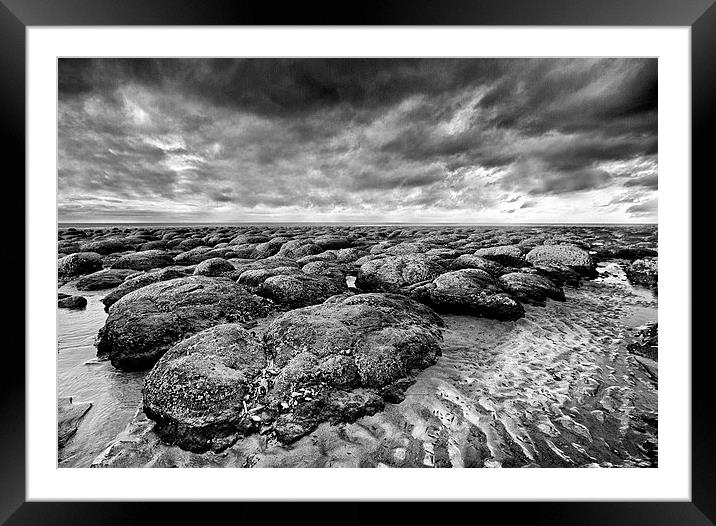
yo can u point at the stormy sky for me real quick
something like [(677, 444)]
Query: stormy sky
[(366, 140)]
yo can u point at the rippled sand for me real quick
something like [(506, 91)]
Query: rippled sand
[(554, 389)]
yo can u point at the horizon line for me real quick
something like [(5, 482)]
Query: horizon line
[(487, 223)]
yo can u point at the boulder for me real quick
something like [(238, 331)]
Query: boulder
[(530, 288), (299, 289), (507, 255), (391, 273), (332, 242), (199, 254), (253, 278), (644, 272), (471, 292), (647, 344), (106, 246), (139, 281), (103, 279), (71, 302), (336, 357), (297, 248), (198, 391), (145, 260), (190, 243), (269, 248), (478, 262), (214, 267), (566, 254), (78, 264), (142, 325)]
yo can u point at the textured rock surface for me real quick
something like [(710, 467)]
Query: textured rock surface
[(341, 353), (71, 302), (392, 273), (299, 289), (69, 417), (507, 255), (572, 256), (214, 267), (139, 281), (471, 292), (78, 264), (644, 272), (144, 324), (478, 262), (531, 288), (103, 279), (198, 391), (145, 260)]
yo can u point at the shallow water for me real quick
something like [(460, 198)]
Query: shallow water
[(554, 389), (115, 395)]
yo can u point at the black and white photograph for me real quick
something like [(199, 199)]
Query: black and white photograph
[(357, 262)]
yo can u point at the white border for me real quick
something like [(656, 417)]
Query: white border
[(670, 481)]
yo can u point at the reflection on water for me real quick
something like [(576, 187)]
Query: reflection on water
[(554, 389), (114, 395)]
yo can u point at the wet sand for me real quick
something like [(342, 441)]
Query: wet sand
[(554, 389)]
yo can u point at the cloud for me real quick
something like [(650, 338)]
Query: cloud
[(335, 138), (648, 207)]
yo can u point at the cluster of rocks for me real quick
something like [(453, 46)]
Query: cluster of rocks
[(348, 314), (333, 362)]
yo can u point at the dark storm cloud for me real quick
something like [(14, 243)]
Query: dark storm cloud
[(353, 136)]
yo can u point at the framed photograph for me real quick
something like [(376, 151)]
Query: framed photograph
[(359, 249)]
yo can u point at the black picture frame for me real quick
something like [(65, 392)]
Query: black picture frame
[(699, 15)]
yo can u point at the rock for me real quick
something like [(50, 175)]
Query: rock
[(402, 249), (471, 292), (647, 344), (335, 357), (299, 289), (390, 274), (189, 244), (330, 270), (644, 272), (106, 246), (196, 392), (269, 248), (530, 288), (67, 247), (560, 275), (334, 406), (478, 262), (298, 248), (244, 239), (139, 281), (349, 255), (69, 417), (145, 260), (104, 279), (199, 254), (159, 244), (71, 302), (572, 256), (142, 325), (214, 267), (253, 278), (323, 257), (624, 252), (507, 255), (78, 264), (332, 242)]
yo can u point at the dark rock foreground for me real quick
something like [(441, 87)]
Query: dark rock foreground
[(145, 323), (326, 363)]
